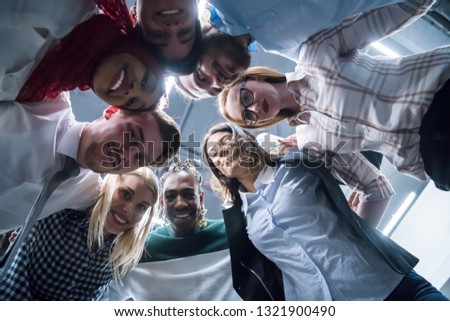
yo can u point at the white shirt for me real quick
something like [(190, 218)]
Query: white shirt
[(290, 220), (202, 277), (368, 103), (35, 139), (28, 29)]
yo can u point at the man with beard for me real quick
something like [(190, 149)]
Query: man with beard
[(189, 250), (280, 27)]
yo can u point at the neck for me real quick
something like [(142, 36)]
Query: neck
[(287, 98), (249, 183)]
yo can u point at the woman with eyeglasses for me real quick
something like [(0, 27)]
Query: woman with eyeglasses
[(371, 191), (339, 96)]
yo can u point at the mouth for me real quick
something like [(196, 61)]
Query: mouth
[(118, 219), (119, 82), (169, 12), (265, 106), (181, 216)]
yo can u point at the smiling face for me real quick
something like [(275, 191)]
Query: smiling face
[(130, 202), (167, 24), (182, 201), (121, 143), (124, 81), (221, 61), (266, 100)]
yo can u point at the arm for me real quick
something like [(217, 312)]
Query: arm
[(372, 186), (360, 30)]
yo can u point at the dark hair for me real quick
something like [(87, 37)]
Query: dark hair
[(188, 64), (170, 136), (188, 166), (249, 152)]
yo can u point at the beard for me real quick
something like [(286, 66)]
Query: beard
[(218, 44)]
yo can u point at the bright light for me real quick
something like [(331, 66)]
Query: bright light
[(201, 6), (400, 213), (170, 80), (385, 50)]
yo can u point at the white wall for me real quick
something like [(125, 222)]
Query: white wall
[(425, 232)]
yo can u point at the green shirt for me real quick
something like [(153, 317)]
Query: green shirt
[(163, 245)]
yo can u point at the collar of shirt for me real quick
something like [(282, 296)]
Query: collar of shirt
[(71, 139), (218, 22), (265, 177)]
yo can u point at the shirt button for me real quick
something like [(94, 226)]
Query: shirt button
[(272, 13), (248, 28)]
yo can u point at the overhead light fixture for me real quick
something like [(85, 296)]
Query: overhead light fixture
[(384, 49), (399, 214)]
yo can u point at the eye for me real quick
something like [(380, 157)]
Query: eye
[(144, 80), (200, 75), (184, 32), (169, 197), (246, 98), (130, 102), (212, 152), (125, 194), (158, 35), (189, 195), (142, 208)]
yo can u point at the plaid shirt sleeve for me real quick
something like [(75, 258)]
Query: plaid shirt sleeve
[(358, 173), (360, 30), (16, 285)]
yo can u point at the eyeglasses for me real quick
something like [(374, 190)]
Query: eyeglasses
[(246, 98)]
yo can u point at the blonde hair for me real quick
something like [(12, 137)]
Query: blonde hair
[(258, 73), (128, 245)]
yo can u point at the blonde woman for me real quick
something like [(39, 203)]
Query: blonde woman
[(341, 97), (73, 255)]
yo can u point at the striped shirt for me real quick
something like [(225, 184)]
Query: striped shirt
[(364, 102), (290, 220), (55, 263)]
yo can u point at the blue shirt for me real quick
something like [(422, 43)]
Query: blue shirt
[(282, 26), (290, 220)]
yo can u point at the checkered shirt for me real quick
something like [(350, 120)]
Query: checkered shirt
[(55, 263), (368, 103)]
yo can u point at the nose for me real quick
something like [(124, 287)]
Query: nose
[(174, 22), (180, 203), (127, 209), (218, 82)]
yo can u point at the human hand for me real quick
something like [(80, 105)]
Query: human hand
[(353, 201), (288, 143)]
